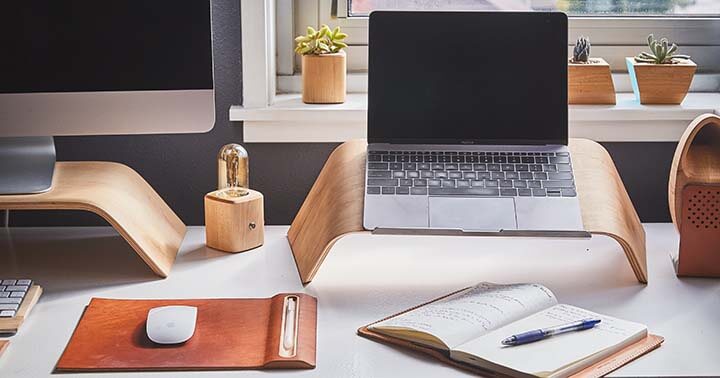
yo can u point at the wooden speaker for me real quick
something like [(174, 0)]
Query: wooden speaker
[(234, 219), (694, 198)]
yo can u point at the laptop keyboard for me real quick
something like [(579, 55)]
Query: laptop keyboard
[(484, 174), (12, 294)]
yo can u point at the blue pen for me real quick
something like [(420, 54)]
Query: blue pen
[(539, 334)]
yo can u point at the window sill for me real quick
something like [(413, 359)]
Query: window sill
[(289, 120)]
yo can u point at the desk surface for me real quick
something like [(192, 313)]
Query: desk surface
[(363, 279)]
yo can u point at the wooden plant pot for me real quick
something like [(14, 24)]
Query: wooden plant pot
[(661, 83), (590, 83), (323, 78), (694, 198)]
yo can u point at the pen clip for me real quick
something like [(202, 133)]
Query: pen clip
[(289, 326)]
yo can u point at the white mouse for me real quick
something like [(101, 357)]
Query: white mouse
[(171, 324)]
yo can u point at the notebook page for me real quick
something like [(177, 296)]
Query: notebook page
[(558, 352), (475, 311)]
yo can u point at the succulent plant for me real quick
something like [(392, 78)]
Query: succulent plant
[(581, 52), (662, 52), (323, 41)]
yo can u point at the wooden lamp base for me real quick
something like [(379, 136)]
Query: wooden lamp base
[(234, 222), (120, 196), (334, 206)]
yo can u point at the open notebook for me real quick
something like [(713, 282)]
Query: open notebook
[(468, 327)]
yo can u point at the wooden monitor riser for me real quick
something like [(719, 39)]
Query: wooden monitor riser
[(334, 206), (120, 196)]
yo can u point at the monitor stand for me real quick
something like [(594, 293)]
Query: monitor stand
[(114, 192), (26, 165)]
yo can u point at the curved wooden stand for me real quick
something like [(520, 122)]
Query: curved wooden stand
[(120, 196), (334, 206)]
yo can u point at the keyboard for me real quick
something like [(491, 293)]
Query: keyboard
[(12, 294), (464, 173)]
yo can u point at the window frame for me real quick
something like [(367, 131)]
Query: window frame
[(268, 71), (613, 37), (616, 30), (270, 65)]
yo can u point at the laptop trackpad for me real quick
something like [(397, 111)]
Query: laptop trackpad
[(472, 214)]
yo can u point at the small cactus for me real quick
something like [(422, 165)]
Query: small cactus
[(323, 41), (661, 52), (581, 52)]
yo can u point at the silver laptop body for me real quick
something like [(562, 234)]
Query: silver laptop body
[(459, 142)]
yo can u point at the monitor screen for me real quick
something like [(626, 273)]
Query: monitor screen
[(467, 78), (98, 67), (115, 45)]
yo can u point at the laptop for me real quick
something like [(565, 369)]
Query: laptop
[(468, 123)]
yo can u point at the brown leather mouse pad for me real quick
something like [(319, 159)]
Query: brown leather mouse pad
[(229, 334)]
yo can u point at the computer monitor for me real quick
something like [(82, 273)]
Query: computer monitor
[(88, 67)]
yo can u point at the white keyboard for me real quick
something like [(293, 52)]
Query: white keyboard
[(12, 294)]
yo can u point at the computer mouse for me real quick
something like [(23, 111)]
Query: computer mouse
[(171, 324)]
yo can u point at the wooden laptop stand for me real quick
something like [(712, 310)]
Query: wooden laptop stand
[(334, 206), (120, 196)]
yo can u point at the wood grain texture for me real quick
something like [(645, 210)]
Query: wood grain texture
[(12, 325), (605, 204), (590, 83), (324, 78), (661, 83), (229, 334), (334, 206), (696, 160), (234, 224), (693, 186), (120, 196)]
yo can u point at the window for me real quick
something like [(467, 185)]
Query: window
[(361, 8), (272, 110), (616, 28)]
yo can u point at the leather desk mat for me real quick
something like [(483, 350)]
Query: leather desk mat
[(229, 334)]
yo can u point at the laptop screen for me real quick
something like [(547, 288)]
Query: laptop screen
[(468, 78)]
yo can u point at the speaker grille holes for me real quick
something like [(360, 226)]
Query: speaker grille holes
[(704, 209)]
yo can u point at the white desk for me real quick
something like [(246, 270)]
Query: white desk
[(363, 279)]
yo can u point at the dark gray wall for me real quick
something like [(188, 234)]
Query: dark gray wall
[(182, 167), (645, 168)]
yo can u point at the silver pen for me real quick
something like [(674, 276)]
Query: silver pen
[(289, 339)]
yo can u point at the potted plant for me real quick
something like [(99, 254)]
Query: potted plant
[(323, 65), (589, 79), (660, 76)]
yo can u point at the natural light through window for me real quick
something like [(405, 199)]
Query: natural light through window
[(677, 8)]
